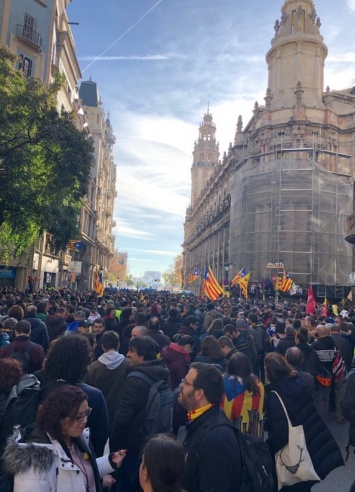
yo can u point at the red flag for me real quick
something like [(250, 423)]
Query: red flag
[(311, 302)]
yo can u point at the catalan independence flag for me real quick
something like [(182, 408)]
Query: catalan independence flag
[(99, 288), (239, 405), (242, 279), (194, 275), (286, 283), (243, 283), (239, 275), (211, 287)]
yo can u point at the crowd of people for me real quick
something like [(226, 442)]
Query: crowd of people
[(144, 392)]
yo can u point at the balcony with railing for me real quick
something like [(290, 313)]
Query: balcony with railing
[(29, 35)]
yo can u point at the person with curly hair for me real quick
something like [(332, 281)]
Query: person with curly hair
[(67, 362), (162, 467), (55, 454)]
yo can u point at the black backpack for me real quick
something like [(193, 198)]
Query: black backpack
[(21, 354), (20, 408), (256, 459), (159, 407)]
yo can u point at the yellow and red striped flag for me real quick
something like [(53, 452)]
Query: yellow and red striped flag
[(286, 283), (211, 287)]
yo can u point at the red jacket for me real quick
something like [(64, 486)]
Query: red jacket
[(36, 355)]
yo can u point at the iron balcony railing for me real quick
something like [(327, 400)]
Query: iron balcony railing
[(29, 34)]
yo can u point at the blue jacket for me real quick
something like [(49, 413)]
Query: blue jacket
[(4, 339), (73, 327)]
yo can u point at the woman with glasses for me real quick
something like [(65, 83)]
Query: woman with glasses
[(55, 453)]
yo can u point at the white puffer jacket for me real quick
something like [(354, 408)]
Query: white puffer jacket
[(42, 467)]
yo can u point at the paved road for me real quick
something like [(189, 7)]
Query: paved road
[(341, 479)]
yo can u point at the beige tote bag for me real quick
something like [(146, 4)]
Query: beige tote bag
[(293, 462)]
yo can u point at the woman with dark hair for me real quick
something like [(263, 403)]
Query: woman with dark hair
[(177, 358), (162, 467), (297, 397), (211, 353), (243, 399), (55, 454), (67, 362)]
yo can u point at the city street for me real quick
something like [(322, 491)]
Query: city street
[(341, 478)]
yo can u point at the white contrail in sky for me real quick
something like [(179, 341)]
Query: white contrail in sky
[(123, 35)]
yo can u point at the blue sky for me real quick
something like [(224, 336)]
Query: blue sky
[(156, 78)]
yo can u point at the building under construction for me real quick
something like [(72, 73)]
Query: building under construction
[(284, 191)]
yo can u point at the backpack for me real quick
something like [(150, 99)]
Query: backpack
[(21, 407), (21, 354), (257, 463), (338, 366), (159, 406)]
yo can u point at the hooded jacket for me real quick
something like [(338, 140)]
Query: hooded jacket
[(297, 397), (128, 424), (108, 374), (41, 464), (178, 361)]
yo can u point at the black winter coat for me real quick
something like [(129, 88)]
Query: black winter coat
[(212, 458), (349, 404), (128, 424), (171, 327), (311, 362), (39, 333), (56, 326), (297, 398), (285, 344)]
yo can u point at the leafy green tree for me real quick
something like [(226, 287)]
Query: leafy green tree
[(45, 162)]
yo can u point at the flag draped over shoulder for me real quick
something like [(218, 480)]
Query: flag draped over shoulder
[(194, 275), (242, 279), (311, 302), (99, 288), (286, 283), (211, 287)]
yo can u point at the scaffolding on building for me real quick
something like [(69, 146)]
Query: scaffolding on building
[(289, 205)]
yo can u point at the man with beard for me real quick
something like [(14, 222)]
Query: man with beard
[(213, 459)]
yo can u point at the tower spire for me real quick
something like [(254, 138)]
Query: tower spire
[(297, 55), (205, 156)]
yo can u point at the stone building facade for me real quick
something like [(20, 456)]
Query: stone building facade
[(284, 190), (39, 33)]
